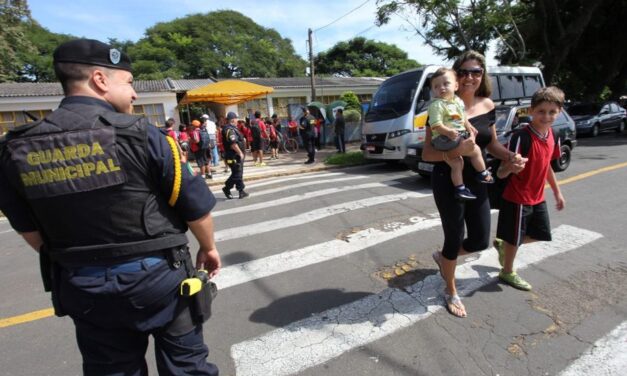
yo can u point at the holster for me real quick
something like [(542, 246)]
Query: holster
[(192, 310), (200, 304), (50, 276)]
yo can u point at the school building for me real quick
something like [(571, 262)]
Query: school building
[(22, 102)]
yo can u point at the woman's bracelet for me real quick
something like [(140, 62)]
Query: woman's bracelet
[(444, 156)]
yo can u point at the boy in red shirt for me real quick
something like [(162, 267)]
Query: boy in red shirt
[(523, 217)]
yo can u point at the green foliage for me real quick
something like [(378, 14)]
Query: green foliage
[(12, 38), (580, 45), (37, 64), (217, 44), (352, 116), (351, 99), (351, 158), (450, 26), (360, 57)]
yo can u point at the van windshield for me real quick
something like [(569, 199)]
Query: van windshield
[(394, 97)]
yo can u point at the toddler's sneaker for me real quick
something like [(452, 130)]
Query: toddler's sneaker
[(485, 177), (464, 194)]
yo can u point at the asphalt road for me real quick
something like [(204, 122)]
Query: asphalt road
[(307, 288)]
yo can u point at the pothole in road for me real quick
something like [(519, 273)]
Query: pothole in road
[(403, 273)]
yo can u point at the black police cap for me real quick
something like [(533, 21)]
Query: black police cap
[(91, 52)]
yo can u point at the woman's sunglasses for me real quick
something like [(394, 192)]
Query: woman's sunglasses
[(475, 72)]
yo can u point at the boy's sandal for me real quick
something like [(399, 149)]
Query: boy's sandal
[(454, 305)]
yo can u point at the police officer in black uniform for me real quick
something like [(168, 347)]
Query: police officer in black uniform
[(307, 127), (102, 196), (234, 155)]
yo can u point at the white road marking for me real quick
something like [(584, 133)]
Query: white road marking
[(300, 197), (299, 258), (607, 357), (310, 216), (306, 184), (326, 335), (283, 179), (4, 232)]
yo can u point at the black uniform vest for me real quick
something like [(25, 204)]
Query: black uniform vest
[(84, 173)]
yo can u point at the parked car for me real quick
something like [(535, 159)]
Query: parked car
[(508, 118), (592, 118)]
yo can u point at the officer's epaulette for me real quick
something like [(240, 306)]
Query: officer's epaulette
[(119, 120), (22, 128)]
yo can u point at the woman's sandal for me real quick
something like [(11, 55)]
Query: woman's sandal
[(437, 257), (454, 305)]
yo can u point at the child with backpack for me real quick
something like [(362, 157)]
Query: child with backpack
[(523, 215)]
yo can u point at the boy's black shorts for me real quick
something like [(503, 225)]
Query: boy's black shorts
[(518, 220)]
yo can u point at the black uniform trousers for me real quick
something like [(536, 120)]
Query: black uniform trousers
[(237, 174), (309, 143), (114, 315)]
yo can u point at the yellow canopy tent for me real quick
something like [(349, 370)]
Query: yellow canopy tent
[(226, 92)]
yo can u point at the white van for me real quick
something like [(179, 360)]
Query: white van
[(398, 112)]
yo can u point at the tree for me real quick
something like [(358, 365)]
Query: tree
[(453, 26), (360, 57), (217, 44), (12, 39), (37, 61), (579, 44)]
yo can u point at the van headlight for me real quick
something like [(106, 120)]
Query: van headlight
[(398, 133)]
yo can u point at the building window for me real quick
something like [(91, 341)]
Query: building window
[(11, 119), (154, 113), (281, 105), (260, 104)]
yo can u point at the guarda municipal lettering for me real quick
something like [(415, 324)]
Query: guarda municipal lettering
[(74, 171)]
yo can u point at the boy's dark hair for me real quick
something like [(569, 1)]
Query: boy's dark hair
[(551, 94), (340, 111), (441, 72)]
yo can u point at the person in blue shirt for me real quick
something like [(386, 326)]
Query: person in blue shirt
[(102, 196)]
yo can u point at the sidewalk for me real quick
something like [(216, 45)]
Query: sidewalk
[(287, 164)]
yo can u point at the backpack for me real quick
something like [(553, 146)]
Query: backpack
[(204, 142)]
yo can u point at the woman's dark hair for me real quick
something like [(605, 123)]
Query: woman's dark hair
[(485, 88)]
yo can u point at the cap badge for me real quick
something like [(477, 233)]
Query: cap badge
[(114, 55)]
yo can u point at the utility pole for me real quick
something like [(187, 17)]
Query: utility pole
[(311, 68)]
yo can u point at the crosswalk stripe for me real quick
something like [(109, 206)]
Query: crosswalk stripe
[(313, 215), (608, 356), (286, 261), (284, 179), (299, 197), (326, 335), (287, 187)]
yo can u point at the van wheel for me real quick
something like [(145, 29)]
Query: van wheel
[(563, 161), (595, 130)]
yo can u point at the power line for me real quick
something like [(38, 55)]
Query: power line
[(332, 22), (365, 30)]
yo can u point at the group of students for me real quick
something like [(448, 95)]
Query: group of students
[(461, 125), (203, 138)]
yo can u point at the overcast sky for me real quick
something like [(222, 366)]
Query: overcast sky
[(127, 20)]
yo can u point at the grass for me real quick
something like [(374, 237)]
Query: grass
[(351, 158)]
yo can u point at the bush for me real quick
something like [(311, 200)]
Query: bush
[(349, 159), (352, 116), (352, 101)]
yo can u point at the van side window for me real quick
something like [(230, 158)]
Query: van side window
[(532, 84), (496, 94), (511, 86)]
